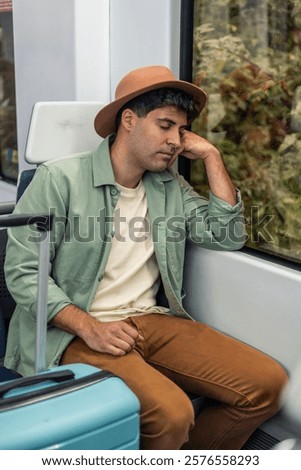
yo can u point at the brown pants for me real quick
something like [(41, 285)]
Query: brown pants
[(179, 354)]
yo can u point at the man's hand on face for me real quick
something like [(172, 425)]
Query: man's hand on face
[(194, 147)]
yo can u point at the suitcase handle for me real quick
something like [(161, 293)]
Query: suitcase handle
[(57, 376), (43, 221), (45, 393)]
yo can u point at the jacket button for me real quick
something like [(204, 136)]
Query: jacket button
[(114, 191)]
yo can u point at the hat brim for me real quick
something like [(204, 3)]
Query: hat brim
[(105, 119)]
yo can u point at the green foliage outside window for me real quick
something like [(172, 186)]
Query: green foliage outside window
[(247, 57)]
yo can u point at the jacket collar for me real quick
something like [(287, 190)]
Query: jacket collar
[(101, 165)]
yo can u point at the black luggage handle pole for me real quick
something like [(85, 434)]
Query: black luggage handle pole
[(43, 222), (16, 220), (41, 326)]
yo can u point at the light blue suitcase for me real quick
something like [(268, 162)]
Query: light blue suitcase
[(69, 407), (86, 409)]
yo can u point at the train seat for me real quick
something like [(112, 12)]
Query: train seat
[(58, 129), (61, 128)]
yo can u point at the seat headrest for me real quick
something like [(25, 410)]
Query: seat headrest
[(61, 128)]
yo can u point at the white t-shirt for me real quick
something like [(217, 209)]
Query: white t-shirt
[(131, 279)]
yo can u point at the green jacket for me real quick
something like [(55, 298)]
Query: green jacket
[(82, 193)]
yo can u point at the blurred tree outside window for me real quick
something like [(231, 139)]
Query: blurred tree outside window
[(8, 127), (247, 57)]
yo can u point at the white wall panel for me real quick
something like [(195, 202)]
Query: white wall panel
[(254, 300), (44, 57), (143, 33), (61, 54), (91, 46)]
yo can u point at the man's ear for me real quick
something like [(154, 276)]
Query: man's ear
[(128, 119)]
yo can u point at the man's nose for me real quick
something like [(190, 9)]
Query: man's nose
[(174, 139)]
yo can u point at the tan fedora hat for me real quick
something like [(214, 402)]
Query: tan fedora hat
[(136, 83)]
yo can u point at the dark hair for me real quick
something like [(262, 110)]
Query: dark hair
[(147, 102)]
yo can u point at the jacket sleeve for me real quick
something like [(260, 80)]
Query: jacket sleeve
[(213, 223), (21, 264)]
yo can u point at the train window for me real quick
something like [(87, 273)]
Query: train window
[(8, 131), (247, 57)]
